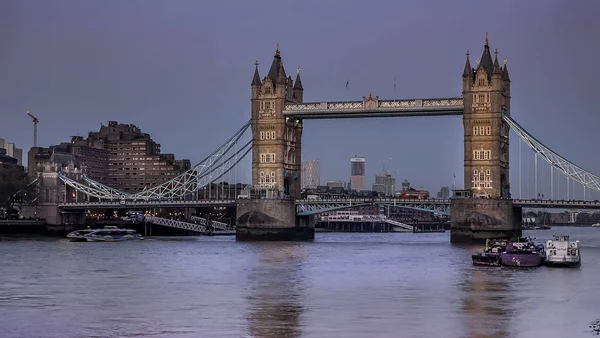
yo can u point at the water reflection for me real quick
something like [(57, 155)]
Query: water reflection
[(276, 287), (485, 304)]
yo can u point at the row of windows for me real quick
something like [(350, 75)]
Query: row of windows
[(482, 81), (267, 105), (482, 130), (482, 154), (121, 154), (134, 148), (135, 158), (482, 98), (267, 135), (267, 158), (141, 174)]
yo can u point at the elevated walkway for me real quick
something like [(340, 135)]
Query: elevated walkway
[(400, 225)]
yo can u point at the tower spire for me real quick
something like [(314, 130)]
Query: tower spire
[(298, 82), (505, 71), (497, 69), (467, 72), (486, 59), (256, 77)]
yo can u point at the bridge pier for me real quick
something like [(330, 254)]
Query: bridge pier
[(473, 220), (272, 220)]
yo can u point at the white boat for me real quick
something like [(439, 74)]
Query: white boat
[(596, 225), (560, 251), (107, 234)]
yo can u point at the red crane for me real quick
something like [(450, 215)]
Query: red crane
[(35, 123)]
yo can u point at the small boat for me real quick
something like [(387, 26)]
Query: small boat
[(492, 253), (523, 253), (107, 234), (596, 225), (562, 252)]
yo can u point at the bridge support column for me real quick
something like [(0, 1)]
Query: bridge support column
[(272, 220), (473, 220)]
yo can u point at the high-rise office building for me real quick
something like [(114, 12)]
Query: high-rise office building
[(311, 174), (12, 150), (357, 173), (385, 184), (444, 193)]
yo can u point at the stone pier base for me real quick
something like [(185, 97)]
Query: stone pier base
[(473, 220), (272, 220)]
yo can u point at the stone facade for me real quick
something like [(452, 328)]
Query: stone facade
[(473, 220), (270, 219), (276, 140), (52, 191), (486, 96)]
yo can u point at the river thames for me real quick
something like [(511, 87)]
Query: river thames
[(340, 285)]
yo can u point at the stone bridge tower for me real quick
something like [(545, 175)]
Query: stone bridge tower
[(276, 166), (276, 140), (486, 95)]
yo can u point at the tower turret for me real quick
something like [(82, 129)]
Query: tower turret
[(256, 83), (467, 74), (298, 90)]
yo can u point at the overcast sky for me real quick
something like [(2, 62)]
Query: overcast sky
[(181, 71)]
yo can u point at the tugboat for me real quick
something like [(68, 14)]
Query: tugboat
[(108, 234), (561, 252), (523, 253), (492, 253)]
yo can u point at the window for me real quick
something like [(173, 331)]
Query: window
[(482, 154), (475, 131), (267, 158), (481, 179), (272, 135), (262, 135), (268, 135), (266, 179), (488, 130), (481, 81)]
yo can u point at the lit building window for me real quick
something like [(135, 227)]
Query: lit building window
[(267, 158), (272, 135), (266, 179), (262, 135), (481, 179), (475, 131), (482, 154)]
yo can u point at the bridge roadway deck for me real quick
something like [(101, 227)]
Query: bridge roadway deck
[(147, 204), (573, 204)]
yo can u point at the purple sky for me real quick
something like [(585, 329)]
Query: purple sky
[(181, 70)]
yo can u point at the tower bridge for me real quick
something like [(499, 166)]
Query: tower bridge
[(276, 212)]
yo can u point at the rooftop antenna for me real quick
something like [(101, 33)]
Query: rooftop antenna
[(35, 123)]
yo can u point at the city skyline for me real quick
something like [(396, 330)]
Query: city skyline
[(178, 92)]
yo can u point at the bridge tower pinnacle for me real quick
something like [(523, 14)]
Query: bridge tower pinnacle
[(276, 150), (486, 96)]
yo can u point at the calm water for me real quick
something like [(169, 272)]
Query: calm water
[(341, 285)]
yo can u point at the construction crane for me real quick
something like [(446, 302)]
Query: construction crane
[(35, 123), (386, 166)]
